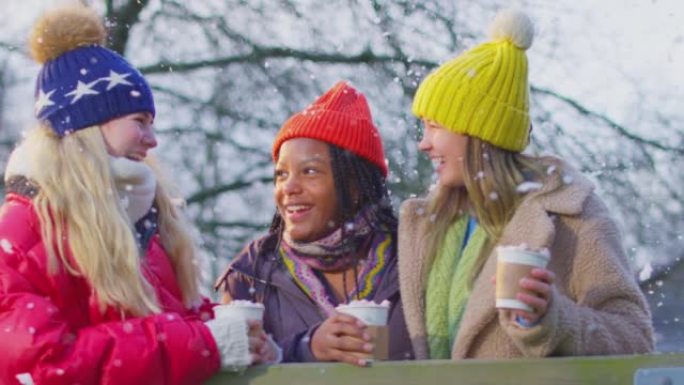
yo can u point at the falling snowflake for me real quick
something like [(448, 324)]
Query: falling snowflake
[(24, 379), (526, 187), (128, 327), (646, 272), (6, 246)]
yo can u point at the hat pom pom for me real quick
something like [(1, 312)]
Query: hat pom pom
[(64, 29), (514, 26)]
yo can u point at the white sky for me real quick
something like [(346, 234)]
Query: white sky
[(640, 40)]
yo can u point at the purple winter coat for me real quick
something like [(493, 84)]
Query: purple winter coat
[(256, 274)]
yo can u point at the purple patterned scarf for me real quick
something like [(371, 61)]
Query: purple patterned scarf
[(337, 252)]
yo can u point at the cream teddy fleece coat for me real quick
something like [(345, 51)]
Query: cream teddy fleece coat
[(596, 307)]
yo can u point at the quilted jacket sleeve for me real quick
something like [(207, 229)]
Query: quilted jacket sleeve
[(39, 346)]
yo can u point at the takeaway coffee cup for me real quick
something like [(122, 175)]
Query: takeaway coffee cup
[(375, 316), (245, 309), (513, 264)]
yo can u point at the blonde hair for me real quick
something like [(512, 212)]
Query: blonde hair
[(175, 233), (491, 176), (80, 211)]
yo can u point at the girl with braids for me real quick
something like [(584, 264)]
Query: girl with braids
[(476, 123), (332, 238), (98, 283)]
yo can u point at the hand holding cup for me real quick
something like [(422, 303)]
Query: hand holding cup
[(375, 316), (523, 284), (261, 349), (341, 337), (536, 293)]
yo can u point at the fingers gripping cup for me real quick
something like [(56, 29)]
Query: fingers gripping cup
[(245, 309), (375, 316), (513, 264)]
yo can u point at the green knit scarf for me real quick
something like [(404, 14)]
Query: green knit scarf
[(447, 287)]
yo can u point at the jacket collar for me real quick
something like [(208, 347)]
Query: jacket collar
[(19, 163), (563, 192), (136, 184)]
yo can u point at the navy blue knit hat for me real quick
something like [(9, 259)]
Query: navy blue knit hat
[(82, 83)]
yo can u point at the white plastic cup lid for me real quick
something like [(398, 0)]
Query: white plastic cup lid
[(522, 256), (370, 314), (248, 310)]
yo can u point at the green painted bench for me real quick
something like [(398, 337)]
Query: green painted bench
[(618, 370)]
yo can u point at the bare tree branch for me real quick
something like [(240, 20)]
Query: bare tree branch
[(259, 54), (218, 190), (121, 21), (8, 47), (622, 130)]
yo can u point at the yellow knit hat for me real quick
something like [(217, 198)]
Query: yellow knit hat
[(484, 92)]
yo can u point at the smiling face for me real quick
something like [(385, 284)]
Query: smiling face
[(129, 136), (305, 192), (447, 150)]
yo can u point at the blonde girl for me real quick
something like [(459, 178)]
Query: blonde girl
[(475, 113), (98, 281)]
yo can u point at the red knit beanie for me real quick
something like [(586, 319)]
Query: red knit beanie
[(341, 117)]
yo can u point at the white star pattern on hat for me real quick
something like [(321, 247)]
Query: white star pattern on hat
[(82, 89), (116, 78), (43, 100)]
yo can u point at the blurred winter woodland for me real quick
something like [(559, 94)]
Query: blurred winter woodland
[(227, 73)]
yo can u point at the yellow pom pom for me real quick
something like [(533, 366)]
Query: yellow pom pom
[(64, 29)]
